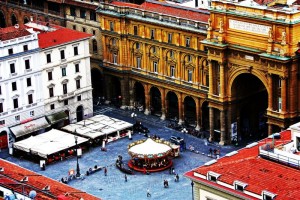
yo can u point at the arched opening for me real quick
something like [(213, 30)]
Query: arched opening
[(172, 103), (97, 83), (95, 46), (2, 20), (67, 121), (116, 92), (189, 111), (139, 96), (155, 101), (251, 102), (205, 116), (14, 20), (79, 113), (26, 20), (3, 140)]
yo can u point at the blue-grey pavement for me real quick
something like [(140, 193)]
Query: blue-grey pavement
[(113, 186)]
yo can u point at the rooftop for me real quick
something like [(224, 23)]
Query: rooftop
[(13, 32), (257, 173)]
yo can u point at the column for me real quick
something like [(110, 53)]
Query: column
[(131, 93), (163, 105), (104, 49), (222, 121), (180, 121), (283, 94), (147, 100), (198, 114), (211, 124), (210, 71), (222, 85), (270, 96)]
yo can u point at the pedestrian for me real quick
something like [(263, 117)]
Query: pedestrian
[(177, 178), (105, 171), (125, 178), (148, 193), (173, 171), (210, 152)]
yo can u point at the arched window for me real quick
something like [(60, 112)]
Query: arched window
[(95, 46)]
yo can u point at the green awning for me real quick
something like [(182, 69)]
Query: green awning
[(57, 117)]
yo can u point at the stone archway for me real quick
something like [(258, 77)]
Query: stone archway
[(155, 98), (26, 20), (2, 20), (139, 95), (3, 140), (79, 113), (249, 103), (14, 20), (172, 105), (190, 111), (97, 83)]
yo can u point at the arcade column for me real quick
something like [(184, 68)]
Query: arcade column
[(211, 124), (147, 100), (180, 109), (222, 121), (163, 105), (198, 114)]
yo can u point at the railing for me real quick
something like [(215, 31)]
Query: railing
[(293, 162)]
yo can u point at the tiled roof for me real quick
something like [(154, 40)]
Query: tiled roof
[(83, 4), (13, 32), (13, 174), (169, 9), (258, 173), (59, 36)]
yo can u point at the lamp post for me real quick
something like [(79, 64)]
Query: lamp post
[(184, 131), (77, 167), (192, 184)]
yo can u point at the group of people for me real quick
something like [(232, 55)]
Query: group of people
[(215, 152), (158, 163)]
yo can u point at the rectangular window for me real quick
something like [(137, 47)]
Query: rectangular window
[(62, 54), (83, 30), (74, 27), (0, 90), (73, 11), (17, 118), (66, 102), (1, 107), (49, 76), (170, 38), (75, 50), (25, 47), (82, 13), (111, 26), (16, 103), (48, 58), (94, 32), (155, 67), (172, 71), (190, 75), (93, 15), (65, 88), (52, 107), (79, 98), (31, 113), (77, 67), (187, 42), (28, 80), (27, 64), (138, 62), (63, 71), (10, 51), (14, 86), (115, 58), (78, 83), (12, 68), (135, 30), (30, 99), (2, 122), (239, 187), (51, 93), (152, 36), (137, 45)]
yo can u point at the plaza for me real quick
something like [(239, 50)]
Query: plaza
[(113, 186)]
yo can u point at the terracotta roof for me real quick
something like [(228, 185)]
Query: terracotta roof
[(258, 173), (59, 36), (13, 174), (13, 32), (81, 4), (169, 9)]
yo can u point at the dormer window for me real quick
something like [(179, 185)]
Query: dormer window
[(240, 186), (212, 176), (268, 195)]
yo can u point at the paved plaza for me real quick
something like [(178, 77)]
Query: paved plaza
[(113, 186)]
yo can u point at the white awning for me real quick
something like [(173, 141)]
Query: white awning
[(48, 143), (29, 127)]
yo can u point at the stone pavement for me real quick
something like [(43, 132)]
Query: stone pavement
[(113, 186)]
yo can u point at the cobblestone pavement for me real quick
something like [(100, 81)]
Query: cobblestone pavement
[(113, 186)]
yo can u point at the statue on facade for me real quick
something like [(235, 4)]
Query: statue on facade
[(221, 26), (283, 38), (209, 24), (270, 35)]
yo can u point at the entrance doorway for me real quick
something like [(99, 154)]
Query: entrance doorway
[(79, 113)]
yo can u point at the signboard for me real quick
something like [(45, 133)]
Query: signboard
[(234, 131), (249, 27)]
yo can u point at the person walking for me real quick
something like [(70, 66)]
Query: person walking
[(148, 193), (105, 171), (125, 178)]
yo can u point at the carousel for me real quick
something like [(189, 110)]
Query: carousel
[(150, 155)]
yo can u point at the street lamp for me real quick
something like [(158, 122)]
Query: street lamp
[(192, 184), (184, 131), (77, 167)]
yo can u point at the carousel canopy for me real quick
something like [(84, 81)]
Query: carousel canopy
[(149, 148)]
